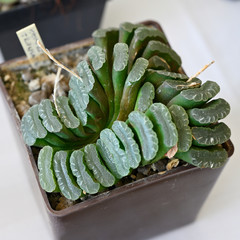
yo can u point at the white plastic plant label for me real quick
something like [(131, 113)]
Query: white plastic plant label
[(28, 38)]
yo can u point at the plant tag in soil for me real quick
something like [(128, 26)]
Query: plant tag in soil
[(28, 37)]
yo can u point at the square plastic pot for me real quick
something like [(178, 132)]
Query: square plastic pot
[(59, 22), (139, 210)]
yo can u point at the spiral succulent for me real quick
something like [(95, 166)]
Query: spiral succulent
[(130, 106)]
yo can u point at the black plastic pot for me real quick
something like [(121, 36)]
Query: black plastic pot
[(58, 21), (135, 211)]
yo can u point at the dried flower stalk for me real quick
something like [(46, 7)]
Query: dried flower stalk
[(47, 52), (199, 72)]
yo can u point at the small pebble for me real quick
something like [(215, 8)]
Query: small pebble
[(36, 97), (6, 78), (83, 198), (12, 86), (140, 176), (47, 88), (22, 108), (34, 85), (159, 165), (14, 98), (27, 76), (50, 78), (144, 170), (64, 203), (133, 176)]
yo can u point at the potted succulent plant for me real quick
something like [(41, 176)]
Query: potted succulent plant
[(105, 149), (51, 17)]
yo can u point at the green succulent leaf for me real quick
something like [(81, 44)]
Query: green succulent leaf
[(32, 127), (120, 55), (49, 116), (108, 159), (126, 31), (76, 102), (106, 39), (180, 118), (164, 127), (103, 36), (113, 144), (170, 88), (65, 112), (212, 157), (98, 61), (87, 79), (137, 72), (28, 136), (196, 97), (79, 93), (142, 36), (209, 113), (115, 157), (47, 178), (157, 77), (145, 97), (87, 90), (97, 58), (96, 165), (158, 63), (65, 179), (209, 136), (162, 50), (81, 172), (147, 138), (126, 136), (131, 87), (96, 119), (119, 73)]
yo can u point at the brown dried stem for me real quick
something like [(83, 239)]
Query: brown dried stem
[(199, 72), (46, 51)]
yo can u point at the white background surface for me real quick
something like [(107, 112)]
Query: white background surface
[(200, 31)]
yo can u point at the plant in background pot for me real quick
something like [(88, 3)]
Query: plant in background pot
[(6, 5), (108, 145), (52, 17)]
